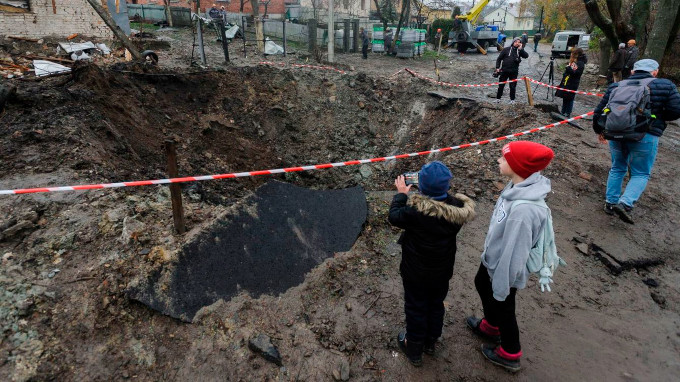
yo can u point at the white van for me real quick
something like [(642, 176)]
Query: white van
[(564, 41)]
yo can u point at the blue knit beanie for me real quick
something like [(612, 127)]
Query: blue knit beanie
[(433, 180)]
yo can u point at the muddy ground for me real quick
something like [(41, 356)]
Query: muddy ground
[(68, 258)]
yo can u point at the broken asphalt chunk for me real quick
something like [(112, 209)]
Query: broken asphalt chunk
[(262, 345)]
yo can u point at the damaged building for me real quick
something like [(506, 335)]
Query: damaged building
[(41, 18)]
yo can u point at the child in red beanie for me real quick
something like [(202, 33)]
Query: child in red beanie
[(512, 234), (431, 220)]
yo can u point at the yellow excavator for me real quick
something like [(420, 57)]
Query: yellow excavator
[(467, 35)]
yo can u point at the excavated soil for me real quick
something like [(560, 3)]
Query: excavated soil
[(69, 258)]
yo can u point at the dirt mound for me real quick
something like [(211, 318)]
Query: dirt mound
[(67, 258)]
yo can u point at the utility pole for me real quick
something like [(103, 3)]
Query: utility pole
[(540, 22), (331, 33)]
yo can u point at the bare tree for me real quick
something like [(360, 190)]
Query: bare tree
[(654, 37), (259, 29)]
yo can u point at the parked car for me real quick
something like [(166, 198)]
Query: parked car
[(564, 41)]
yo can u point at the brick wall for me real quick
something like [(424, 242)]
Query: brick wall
[(72, 16)]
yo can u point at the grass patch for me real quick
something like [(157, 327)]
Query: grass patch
[(146, 26), (432, 54)]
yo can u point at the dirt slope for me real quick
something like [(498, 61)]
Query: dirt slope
[(67, 258)]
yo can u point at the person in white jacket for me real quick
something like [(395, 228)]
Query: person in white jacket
[(512, 234)]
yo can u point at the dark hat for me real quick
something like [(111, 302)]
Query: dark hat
[(526, 158), (433, 180)]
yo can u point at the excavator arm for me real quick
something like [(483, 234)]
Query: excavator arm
[(474, 13)]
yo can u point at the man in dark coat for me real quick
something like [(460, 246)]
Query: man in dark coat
[(524, 39), (388, 40), (637, 156), (364, 42), (431, 220), (631, 56), (616, 64), (507, 64), (537, 39)]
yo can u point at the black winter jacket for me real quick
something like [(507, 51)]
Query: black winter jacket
[(509, 59), (429, 240), (617, 61), (571, 78), (665, 103)]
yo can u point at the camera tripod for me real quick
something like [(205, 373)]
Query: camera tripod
[(550, 69)]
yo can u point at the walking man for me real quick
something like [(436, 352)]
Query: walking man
[(364, 42), (638, 155), (507, 64), (537, 39)]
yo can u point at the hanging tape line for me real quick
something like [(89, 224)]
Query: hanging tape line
[(283, 170), (566, 90), (441, 83), (498, 83)]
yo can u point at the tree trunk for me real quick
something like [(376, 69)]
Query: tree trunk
[(602, 22), (639, 19), (168, 13), (241, 7), (674, 33), (661, 30), (404, 5), (380, 15), (108, 20), (259, 30)]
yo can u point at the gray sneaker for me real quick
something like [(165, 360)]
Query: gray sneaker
[(624, 212)]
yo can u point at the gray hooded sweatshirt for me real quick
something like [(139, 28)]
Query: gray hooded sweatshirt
[(512, 233)]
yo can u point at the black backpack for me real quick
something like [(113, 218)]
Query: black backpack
[(628, 114)]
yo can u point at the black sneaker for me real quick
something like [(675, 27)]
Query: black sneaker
[(624, 212), (492, 355), (413, 350), (608, 208), (474, 322), (429, 346)]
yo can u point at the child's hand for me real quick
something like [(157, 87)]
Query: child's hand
[(600, 137), (402, 188)]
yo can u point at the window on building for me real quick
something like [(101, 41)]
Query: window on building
[(14, 6)]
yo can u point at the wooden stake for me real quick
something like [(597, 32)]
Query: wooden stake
[(530, 96), (175, 190), (54, 7)]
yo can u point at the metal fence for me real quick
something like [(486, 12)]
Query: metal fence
[(181, 17)]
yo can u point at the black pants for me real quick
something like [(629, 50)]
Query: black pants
[(513, 85), (364, 50), (424, 308), (499, 313)]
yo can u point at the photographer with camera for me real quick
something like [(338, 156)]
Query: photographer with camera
[(431, 220), (507, 67), (571, 80)]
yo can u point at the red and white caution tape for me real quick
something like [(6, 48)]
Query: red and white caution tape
[(442, 83), (566, 90), (395, 73), (317, 67), (283, 170)]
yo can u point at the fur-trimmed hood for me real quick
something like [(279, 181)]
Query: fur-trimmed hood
[(434, 208)]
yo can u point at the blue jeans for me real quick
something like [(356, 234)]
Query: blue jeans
[(639, 157)]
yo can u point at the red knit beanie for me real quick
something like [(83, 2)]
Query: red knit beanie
[(526, 158)]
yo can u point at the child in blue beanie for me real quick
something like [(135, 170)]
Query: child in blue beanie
[(431, 220)]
